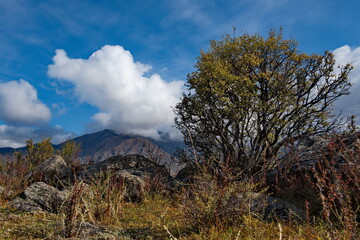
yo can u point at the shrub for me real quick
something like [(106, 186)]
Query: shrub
[(12, 176), (326, 182), (38, 153), (336, 177), (70, 152), (207, 202), (99, 201)]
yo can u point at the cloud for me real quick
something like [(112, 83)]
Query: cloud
[(349, 104), (14, 136), (189, 11), (19, 104), (346, 54), (60, 108), (129, 100), (57, 134)]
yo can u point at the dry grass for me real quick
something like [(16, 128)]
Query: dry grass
[(146, 220), (16, 225), (207, 209)]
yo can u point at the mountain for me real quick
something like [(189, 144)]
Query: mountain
[(101, 145), (6, 150)]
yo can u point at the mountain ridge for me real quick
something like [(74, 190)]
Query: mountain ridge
[(98, 146)]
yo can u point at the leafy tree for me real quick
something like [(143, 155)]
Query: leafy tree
[(70, 152), (38, 153), (250, 95)]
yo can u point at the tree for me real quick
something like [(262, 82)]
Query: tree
[(70, 152), (249, 96), (40, 152)]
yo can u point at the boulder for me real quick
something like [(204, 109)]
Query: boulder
[(53, 171), (134, 185), (280, 209), (25, 205), (137, 173), (273, 208), (305, 177), (39, 196), (128, 162), (186, 174)]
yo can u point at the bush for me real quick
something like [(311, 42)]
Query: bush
[(209, 203), (99, 201), (12, 176), (326, 181), (336, 177)]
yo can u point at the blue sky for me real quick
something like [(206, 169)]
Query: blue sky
[(69, 67)]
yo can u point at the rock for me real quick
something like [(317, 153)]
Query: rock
[(40, 196), (305, 177), (186, 174), (136, 171), (55, 167), (273, 208), (53, 171), (280, 209), (25, 205), (134, 185), (2, 190), (133, 162), (89, 229)]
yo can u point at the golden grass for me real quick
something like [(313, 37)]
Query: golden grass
[(17, 225), (146, 220)]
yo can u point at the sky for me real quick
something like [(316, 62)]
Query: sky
[(70, 67)]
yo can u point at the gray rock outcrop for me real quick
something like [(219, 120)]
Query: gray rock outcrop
[(134, 185), (128, 162), (186, 174), (271, 207), (39, 196), (280, 209), (53, 171), (135, 171)]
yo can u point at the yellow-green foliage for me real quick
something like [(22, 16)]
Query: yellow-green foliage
[(250, 95), (14, 171), (69, 152), (38, 153), (208, 203)]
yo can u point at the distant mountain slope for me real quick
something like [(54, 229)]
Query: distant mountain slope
[(101, 145), (6, 150)]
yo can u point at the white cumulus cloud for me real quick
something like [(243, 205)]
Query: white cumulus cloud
[(350, 105), (129, 101), (19, 104)]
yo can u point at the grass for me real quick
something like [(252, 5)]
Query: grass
[(17, 225), (207, 209), (151, 218)]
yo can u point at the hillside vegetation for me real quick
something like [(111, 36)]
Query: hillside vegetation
[(265, 159)]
